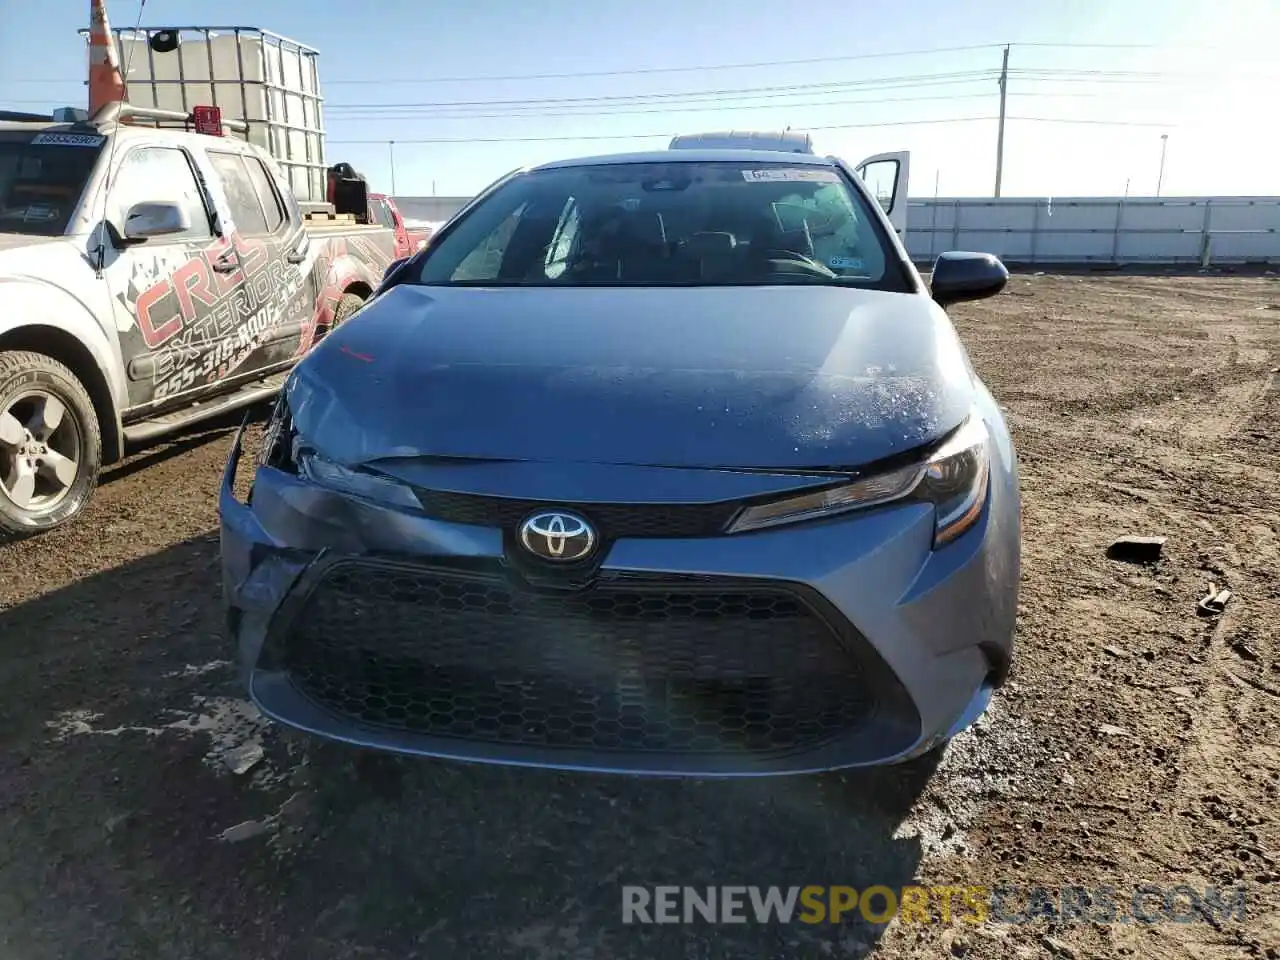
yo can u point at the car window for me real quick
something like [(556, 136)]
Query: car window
[(383, 212), (266, 192), (42, 178), (242, 197), (664, 222), (160, 174), (483, 260), (881, 178)]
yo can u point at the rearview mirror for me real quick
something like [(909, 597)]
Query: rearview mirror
[(960, 275), (155, 218)]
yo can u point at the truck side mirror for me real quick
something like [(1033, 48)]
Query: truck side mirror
[(154, 218)]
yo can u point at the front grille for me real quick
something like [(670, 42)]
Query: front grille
[(613, 520), (675, 667)]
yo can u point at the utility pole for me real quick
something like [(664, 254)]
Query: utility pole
[(1004, 89), (391, 150), (1164, 145)]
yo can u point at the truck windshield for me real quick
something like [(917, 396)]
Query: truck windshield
[(41, 179), (669, 223)]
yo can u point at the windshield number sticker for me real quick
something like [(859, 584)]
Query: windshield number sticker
[(790, 175), (68, 140), (845, 263), (39, 213)]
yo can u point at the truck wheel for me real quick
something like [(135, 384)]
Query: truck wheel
[(349, 304), (50, 443)]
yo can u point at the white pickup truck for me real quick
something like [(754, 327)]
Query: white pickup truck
[(150, 278)]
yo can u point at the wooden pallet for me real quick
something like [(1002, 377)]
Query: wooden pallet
[(328, 216)]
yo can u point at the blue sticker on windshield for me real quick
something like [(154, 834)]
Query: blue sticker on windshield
[(39, 213), (68, 140), (845, 263)]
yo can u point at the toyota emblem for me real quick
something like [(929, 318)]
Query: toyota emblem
[(557, 536)]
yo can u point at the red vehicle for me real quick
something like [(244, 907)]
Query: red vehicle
[(383, 210)]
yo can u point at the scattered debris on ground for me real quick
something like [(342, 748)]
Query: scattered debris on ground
[(1214, 602), (1136, 549)]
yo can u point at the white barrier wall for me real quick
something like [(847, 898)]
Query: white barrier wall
[(1067, 230), (431, 209), (1077, 230)]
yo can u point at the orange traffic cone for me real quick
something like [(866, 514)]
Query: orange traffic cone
[(106, 82)]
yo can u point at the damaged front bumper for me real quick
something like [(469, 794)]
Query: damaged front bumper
[(293, 525), (931, 631)]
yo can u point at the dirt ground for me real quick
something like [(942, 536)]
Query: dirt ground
[(1136, 742)]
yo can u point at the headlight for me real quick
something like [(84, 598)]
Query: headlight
[(953, 479), (357, 483), (277, 438)]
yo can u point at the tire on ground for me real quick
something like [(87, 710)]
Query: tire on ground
[(22, 371), (349, 304)]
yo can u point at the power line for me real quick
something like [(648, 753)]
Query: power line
[(589, 110), (747, 65), (1138, 78), (642, 71), (906, 80), (909, 81), (542, 115), (1115, 46), (537, 113), (650, 136), (1101, 123), (838, 126)]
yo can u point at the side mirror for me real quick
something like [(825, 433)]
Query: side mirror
[(959, 276), (154, 218)]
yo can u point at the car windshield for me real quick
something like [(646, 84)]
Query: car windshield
[(668, 223), (41, 179)]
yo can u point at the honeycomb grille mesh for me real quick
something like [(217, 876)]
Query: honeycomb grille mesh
[(671, 669), (614, 520)]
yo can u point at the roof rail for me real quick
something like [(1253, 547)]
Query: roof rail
[(118, 111)]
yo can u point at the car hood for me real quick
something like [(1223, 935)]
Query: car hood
[(15, 241), (731, 377)]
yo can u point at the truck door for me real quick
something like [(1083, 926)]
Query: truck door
[(885, 175), (272, 302), (163, 294)]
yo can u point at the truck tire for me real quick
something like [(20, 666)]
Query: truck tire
[(349, 304), (50, 444)]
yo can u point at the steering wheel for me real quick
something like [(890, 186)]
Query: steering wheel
[(780, 258)]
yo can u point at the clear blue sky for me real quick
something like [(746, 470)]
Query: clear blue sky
[(1207, 75)]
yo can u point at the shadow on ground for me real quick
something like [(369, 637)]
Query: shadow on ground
[(110, 834), (143, 457)]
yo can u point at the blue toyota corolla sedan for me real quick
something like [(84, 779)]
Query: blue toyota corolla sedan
[(663, 463)]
